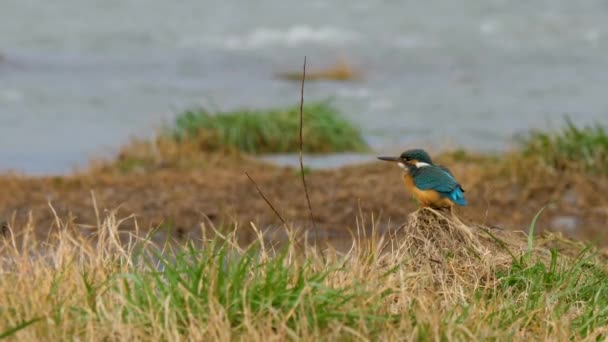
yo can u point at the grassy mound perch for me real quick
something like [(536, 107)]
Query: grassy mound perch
[(443, 245), (271, 131), (496, 284)]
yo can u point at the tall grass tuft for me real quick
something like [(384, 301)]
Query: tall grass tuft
[(553, 288), (560, 289), (112, 287), (583, 148), (191, 285), (271, 131)]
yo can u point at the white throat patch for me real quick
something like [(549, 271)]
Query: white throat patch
[(421, 164), (401, 165)]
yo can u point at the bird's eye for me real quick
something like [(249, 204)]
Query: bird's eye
[(407, 158)]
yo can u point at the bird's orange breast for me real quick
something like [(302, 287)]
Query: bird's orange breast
[(426, 198)]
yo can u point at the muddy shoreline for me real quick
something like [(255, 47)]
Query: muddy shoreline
[(179, 193)]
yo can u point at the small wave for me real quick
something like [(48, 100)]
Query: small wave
[(409, 41), (356, 93), (489, 26), (592, 35), (381, 104), (264, 37), (10, 95)]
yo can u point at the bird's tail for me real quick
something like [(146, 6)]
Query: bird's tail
[(457, 196)]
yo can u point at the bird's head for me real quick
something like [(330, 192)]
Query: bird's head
[(415, 158)]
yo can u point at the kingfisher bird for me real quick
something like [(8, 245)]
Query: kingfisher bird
[(431, 185)]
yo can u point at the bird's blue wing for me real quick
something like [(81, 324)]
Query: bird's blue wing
[(445, 169), (440, 180), (450, 173), (434, 178)]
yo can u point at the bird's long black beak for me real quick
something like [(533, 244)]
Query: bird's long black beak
[(391, 159)]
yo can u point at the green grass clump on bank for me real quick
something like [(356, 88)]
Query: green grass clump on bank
[(271, 131), (577, 289), (551, 288), (583, 148), (562, 299)]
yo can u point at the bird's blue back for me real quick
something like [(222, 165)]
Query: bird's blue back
[(433, 177)]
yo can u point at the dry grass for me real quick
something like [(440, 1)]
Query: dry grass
[(432, 278)]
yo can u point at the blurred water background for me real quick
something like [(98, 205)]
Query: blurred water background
[(79, 78)]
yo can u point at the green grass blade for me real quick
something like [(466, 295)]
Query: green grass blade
[(531, 232), (11, 331)]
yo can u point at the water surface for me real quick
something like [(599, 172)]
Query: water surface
[(79, 78)]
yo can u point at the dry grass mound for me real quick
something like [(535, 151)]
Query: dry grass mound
[(443, 244)]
